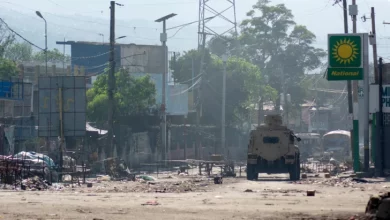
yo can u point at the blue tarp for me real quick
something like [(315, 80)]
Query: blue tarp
[(5, 89), (31, 155)]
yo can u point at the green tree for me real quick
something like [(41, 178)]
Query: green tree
[(8, 69), (6, 39), (19, 52), (133, 96), (52, 56), (282, 49), (244, 83)]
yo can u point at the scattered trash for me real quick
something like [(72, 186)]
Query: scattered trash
[(325, 170), (89, 185), (146, 178), (117, 169), (311, 193), (35, 183), (327, 175), (218, 180), (304, 176), (360, 180), (103, 178), (153, 203)]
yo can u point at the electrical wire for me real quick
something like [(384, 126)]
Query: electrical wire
[(90, 57), (190, 80), (189, 88), (16, 33)]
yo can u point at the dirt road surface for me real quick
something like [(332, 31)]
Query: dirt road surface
[(194, 198)]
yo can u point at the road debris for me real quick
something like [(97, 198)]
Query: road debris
[(311, 193), (218, 180), (34, 183), (152, 203)]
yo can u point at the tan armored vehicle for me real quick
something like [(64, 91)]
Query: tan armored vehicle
[(272, 149)]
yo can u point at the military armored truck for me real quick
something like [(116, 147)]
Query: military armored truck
[(272, 150)]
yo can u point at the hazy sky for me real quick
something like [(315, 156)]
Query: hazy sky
[(320, 16)]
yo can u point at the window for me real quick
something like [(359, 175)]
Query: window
[(270, 140)]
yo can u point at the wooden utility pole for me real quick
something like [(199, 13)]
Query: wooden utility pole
[(111, 84)]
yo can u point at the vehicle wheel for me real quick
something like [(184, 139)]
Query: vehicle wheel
[(250, 172), (294, 170), (298, 167)]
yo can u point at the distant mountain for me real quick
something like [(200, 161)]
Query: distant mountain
[(82, 28)]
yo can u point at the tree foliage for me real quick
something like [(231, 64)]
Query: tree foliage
[(54, 56), (8, 69), (244, 83), (133, 96), (6, 39), (282, 49), (19, 52)]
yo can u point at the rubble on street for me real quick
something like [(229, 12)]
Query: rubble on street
[(34, 183)]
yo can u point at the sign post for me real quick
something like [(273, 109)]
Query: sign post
[(348, 60)]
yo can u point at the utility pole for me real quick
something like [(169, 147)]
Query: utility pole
[(374, 47), (366, 101), (223, 138), (353, 11), (380, 149), (349, 84), (163, 38), (111, 83), (202, 49), (366, 119)]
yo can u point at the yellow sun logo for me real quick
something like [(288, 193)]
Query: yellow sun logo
[(345, 51)]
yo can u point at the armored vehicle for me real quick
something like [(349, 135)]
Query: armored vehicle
[(272, 149)]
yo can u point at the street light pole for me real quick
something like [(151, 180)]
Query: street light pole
[(163, 38), (40, 15), (223, 138), (102, 35)]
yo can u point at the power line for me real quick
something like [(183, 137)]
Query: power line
[(73, 8), (90, 57), (9, 28)]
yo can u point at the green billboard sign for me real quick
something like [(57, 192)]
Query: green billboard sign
[(345, 57)]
